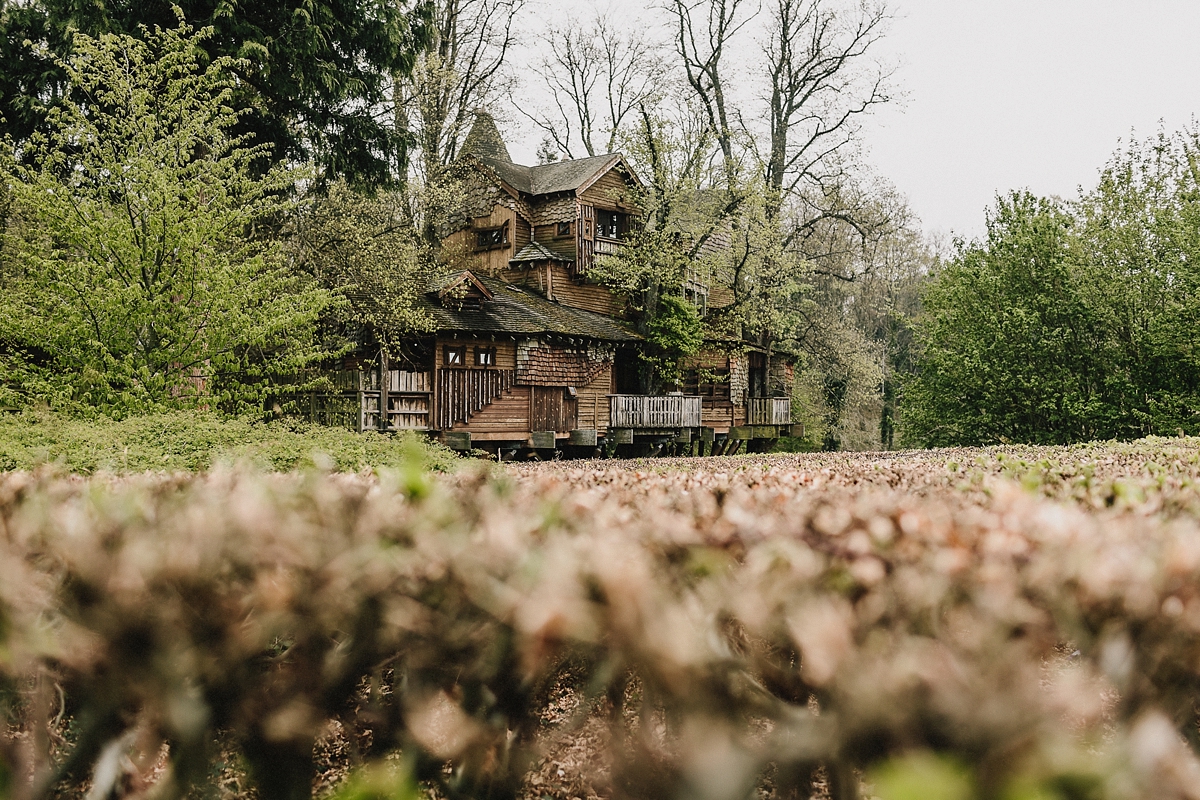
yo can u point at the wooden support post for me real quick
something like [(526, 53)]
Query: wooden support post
[(385, 383)]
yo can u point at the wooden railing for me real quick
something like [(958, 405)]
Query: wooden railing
[(462, 392), (769, 411), (607, 247), (642, 411)]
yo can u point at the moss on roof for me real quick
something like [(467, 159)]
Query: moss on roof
[(536, 251), (517, 311)]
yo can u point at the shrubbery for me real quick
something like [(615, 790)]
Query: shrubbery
[(776, 625), (1070, 321), (195, 441)]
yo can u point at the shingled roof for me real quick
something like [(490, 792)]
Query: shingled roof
[(487, 146), (513, 310), (561, 176), (536, 251), (484, 139)]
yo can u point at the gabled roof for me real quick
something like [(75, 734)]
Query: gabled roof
[(536, 251), (485, 144), (448, 283), (560, 176), (514, 311)]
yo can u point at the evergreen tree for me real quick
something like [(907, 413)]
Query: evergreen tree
[(315, 77)]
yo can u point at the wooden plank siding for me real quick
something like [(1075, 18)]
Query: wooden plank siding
[(505, 418), (721, 415), (522, 233), (547, 236), (492, 261), (506, 351), (609, 191), (580, 294), (592, 404)]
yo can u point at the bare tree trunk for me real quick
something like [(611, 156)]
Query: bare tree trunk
[(822, 83), (598, 73), (701, 46)]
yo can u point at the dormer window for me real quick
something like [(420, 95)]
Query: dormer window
[(491, 238)]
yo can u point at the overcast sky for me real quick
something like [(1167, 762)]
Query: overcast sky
[(1004, 94)]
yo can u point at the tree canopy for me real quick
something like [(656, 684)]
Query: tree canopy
[(1071, 321), (314, 78), (138, 270)]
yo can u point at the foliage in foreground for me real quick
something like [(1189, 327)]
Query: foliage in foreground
[(767, 622), (195, 441)]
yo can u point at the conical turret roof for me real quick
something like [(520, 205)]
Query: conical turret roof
[(484, 139)]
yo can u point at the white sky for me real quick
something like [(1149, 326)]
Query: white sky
[(1005, 94)]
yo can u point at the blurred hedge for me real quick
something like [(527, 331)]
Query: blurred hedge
[(795, 626), (195, 441)]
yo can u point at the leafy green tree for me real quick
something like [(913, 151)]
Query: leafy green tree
[(315, 77), (1072, 322), (367, 249), (139, 272), (1009, 339), (1139, 242)]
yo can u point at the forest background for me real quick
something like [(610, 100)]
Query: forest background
[(286, 167)]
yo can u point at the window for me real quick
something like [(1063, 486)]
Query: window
[(708, 383), (491, 238), (610, 224), (485, 356), (564, 229), (454, 356)]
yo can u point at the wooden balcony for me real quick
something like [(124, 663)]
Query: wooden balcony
[(769, 411), (644, 411), (607, 247)]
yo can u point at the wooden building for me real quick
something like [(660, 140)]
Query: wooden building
[(528, 352)]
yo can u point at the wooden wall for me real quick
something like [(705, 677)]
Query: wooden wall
[(522, 233), (721, 414), (565, 289), (490, 262), (547, 236), (610, 191), (506, 418), (506, 351), (592, 403), (577, 294), (512, 416)]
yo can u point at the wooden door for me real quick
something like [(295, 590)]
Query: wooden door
[(552, 409)]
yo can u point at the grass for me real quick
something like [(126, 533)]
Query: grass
[(196, 441)]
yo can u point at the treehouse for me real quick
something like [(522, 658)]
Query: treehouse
[(529, 352)]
